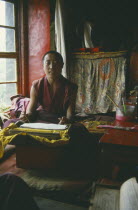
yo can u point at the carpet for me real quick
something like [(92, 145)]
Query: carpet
[(64, 189), (47, 204)]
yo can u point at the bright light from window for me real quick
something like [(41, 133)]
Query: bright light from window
[(8, 64), (7, 35), (7, 17), (2, 13), (3, 38)]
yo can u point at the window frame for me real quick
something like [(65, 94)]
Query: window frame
[(21, 39)]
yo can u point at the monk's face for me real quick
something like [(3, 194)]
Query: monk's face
[(52, 66)]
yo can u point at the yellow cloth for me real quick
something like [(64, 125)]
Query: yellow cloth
[(6, 138), (92, 125)]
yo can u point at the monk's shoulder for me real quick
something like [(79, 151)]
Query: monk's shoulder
[(36, 83)]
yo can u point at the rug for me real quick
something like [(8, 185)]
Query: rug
[(64, 189)]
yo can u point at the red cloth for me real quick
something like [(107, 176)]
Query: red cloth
[(19, 105)]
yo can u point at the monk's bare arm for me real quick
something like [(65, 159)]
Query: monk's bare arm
[(33, 104)]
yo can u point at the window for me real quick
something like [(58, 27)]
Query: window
[(8, 51)]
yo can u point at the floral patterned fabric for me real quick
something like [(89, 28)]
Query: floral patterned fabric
[(96, 76)]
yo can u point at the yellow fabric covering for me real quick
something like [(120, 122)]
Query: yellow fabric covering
[(92, 125), (6, 137)]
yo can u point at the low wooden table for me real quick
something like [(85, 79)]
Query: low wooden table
[(117, 148)]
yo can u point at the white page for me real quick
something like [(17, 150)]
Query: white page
[(44, 126)]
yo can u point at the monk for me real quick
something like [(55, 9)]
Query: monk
[(53, 97)]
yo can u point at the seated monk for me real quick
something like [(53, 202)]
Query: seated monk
[(53, 97)]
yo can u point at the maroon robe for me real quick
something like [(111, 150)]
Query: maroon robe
[(50, 109)]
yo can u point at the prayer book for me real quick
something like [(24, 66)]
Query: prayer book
[(44, 126)]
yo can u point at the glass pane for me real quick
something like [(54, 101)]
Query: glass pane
[(7, 40), (8, 70), (6, 91), (7, 14)]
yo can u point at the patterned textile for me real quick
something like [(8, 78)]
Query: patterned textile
[(97, 75), (19, 106)]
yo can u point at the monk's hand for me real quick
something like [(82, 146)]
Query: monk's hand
[(63, 120), (24, 118)]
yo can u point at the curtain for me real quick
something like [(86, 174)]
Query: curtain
[(60, 33), (97, 76)]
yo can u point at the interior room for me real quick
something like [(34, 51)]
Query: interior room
[(71, 134)]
